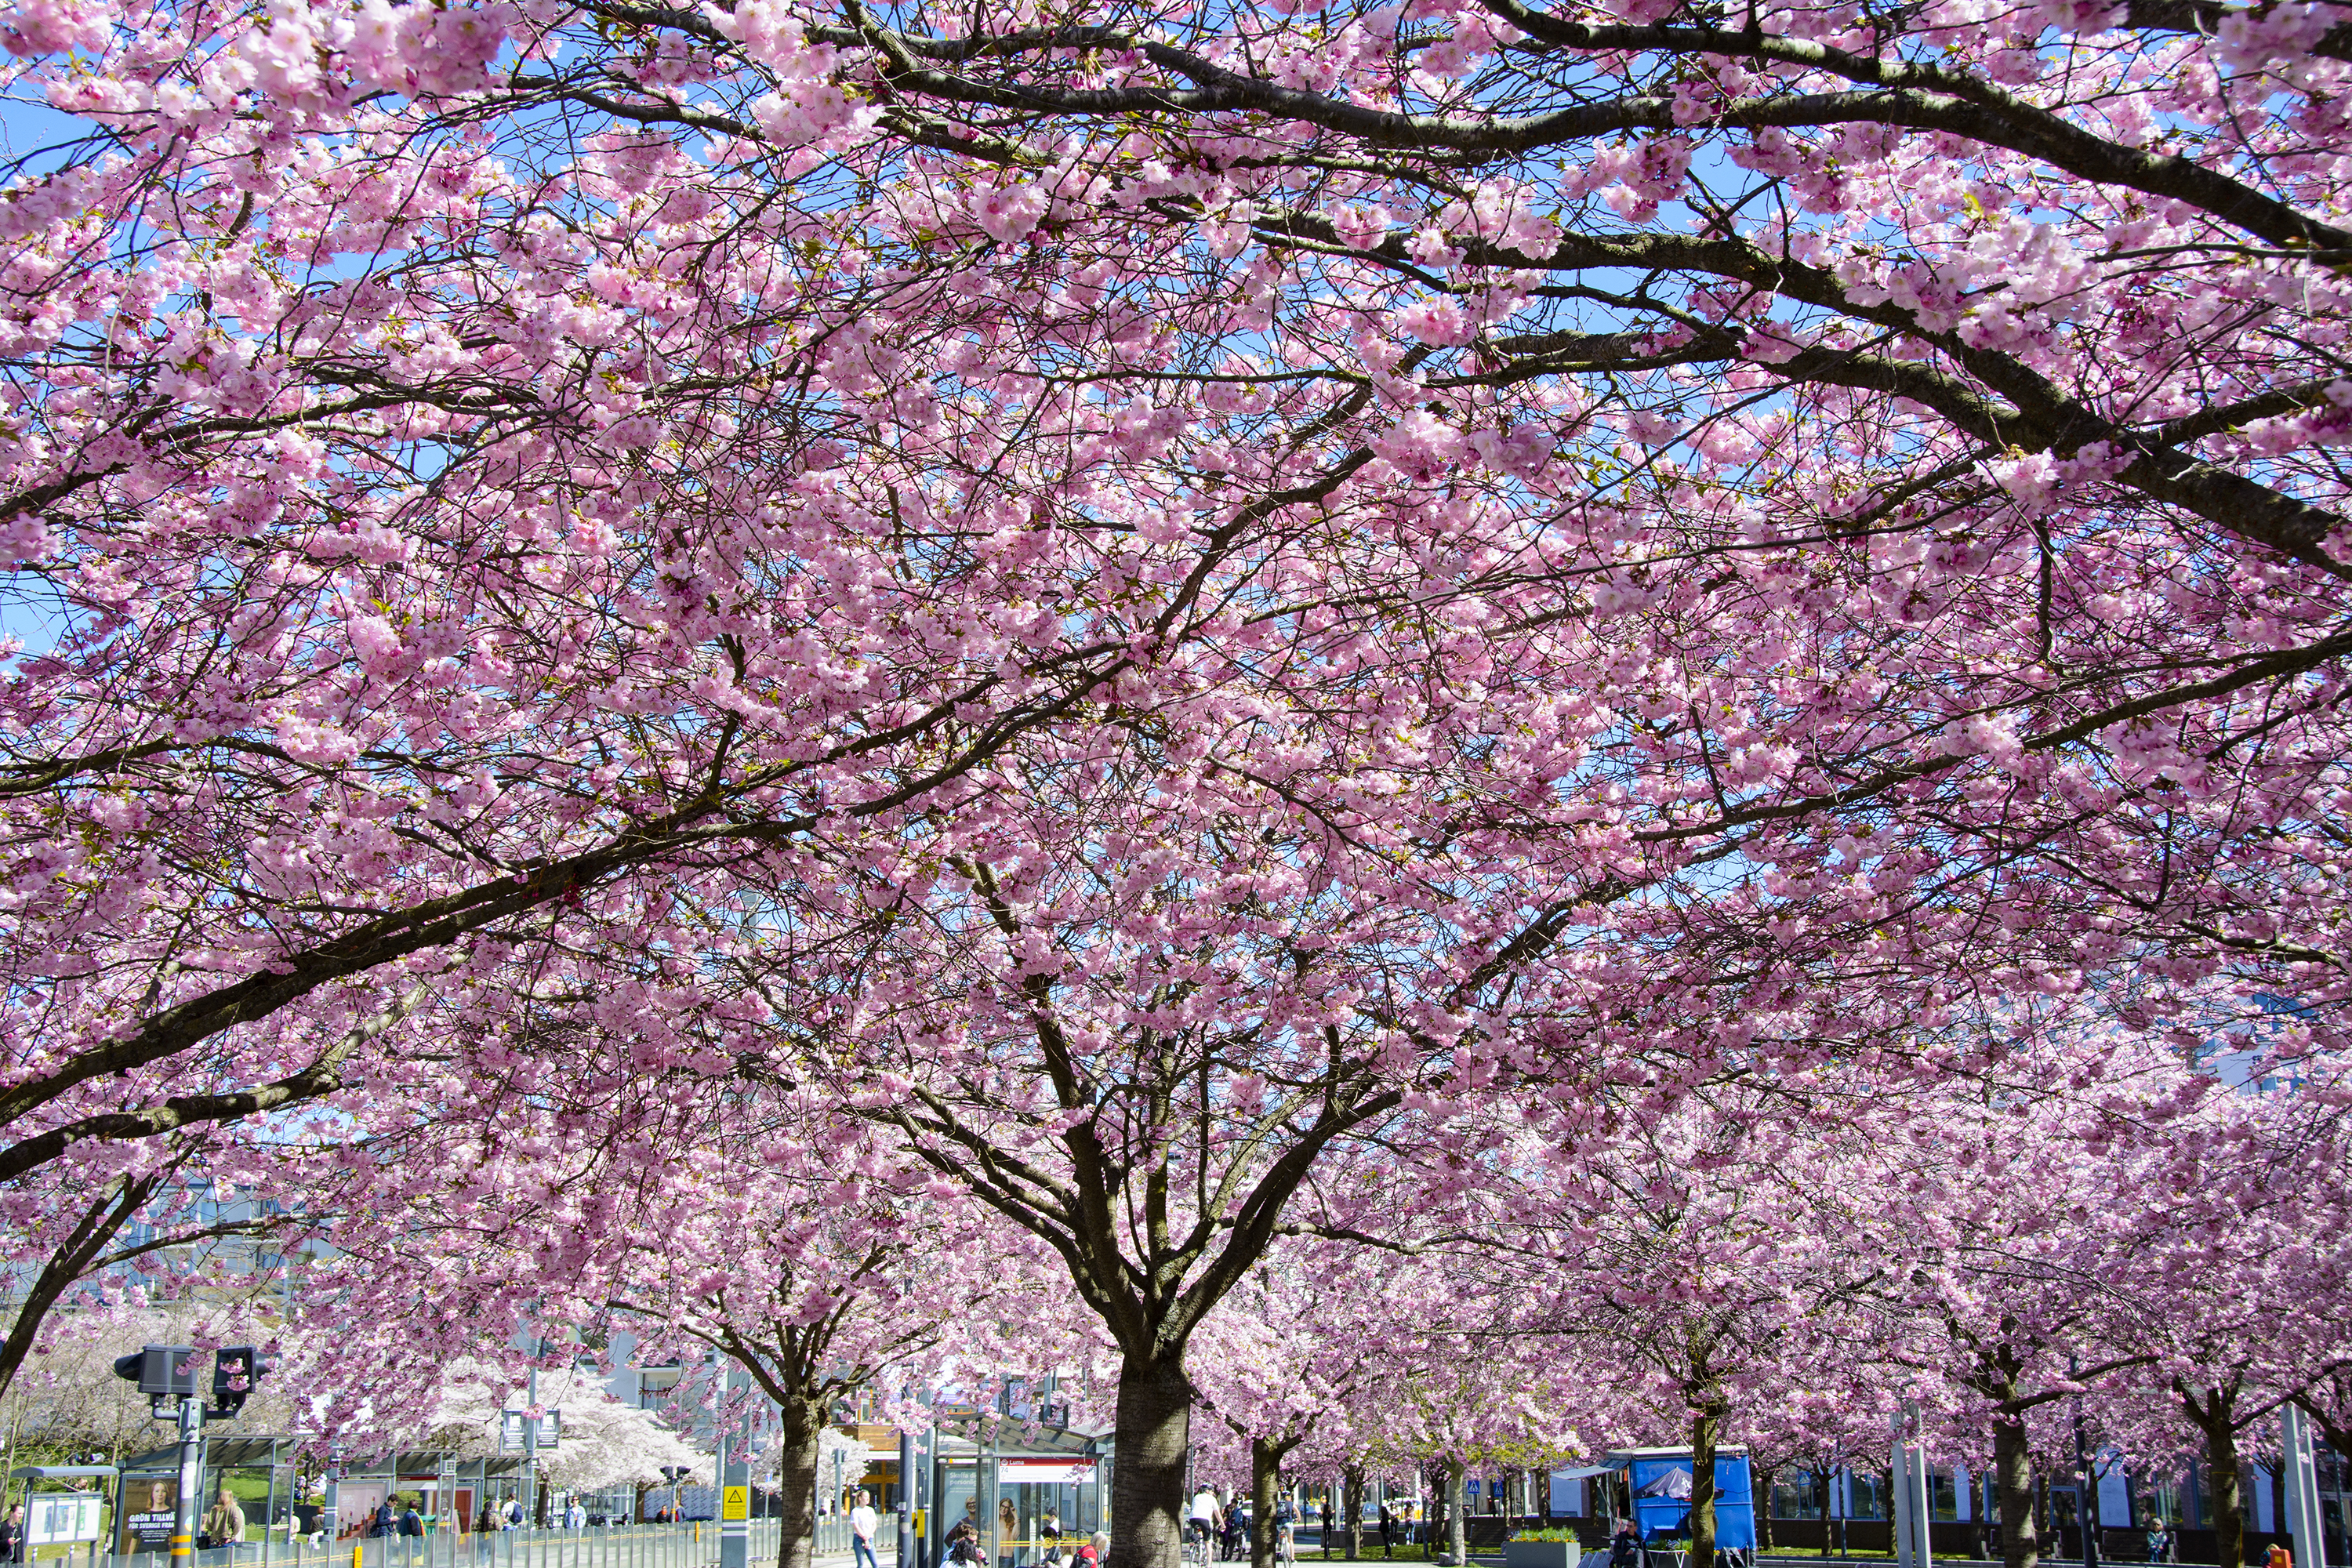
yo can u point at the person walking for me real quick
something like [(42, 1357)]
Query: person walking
[(861, 1532), (1625, 1550), (12, 1534), (1388, 1532), (576, 1516)]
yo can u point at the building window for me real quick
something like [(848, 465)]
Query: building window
[(1943, 1496), (1797, 1495), (1869, 1497)]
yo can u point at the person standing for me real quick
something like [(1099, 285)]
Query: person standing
[(1388, 1532), (12, 1534), (224, 1520), (861, 1533)]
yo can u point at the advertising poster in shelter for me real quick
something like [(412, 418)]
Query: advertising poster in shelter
[(149, 1504)]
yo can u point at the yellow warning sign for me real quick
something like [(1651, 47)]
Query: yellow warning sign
[(735, 1504)]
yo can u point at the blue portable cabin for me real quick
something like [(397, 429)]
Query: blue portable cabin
[(1655, 1486)]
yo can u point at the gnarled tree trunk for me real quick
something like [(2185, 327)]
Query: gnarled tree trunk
[(1154, 1428), (1457, 1530), (1351, 1494), (803, 1422), (1706, 1426), (2215, 1413), (2229, 1496), (1266, 1485), (2012, 1471)]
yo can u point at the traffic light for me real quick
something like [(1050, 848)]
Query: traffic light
[(167, 1371), (236, 1369)]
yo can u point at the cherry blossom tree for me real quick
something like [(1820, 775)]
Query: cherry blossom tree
[(1169, 604), (605, 1442)]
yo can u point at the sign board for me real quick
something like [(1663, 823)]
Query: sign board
[(736, 1504), (54, 1517), (1473, 1485), (1051, 1472), (514, 1428)]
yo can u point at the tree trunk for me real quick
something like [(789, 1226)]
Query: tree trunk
[(2229, 1496), (1266, 1483), (1457, 1532), (1760, 1494), (1154, 1428), (1706, 1424), (803, 1422), (1825, 1488), (2013, 1474), (1352, 1492), (2216, 1416)]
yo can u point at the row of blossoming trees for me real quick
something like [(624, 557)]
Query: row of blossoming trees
[(868, 685)]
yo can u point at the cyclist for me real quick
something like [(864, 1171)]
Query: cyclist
[(1204, 1521)]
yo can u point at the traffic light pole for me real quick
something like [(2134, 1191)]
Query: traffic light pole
[(530, 1442), (331, 1519), (734, 1477), (187, 1510), (906, 1497)]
